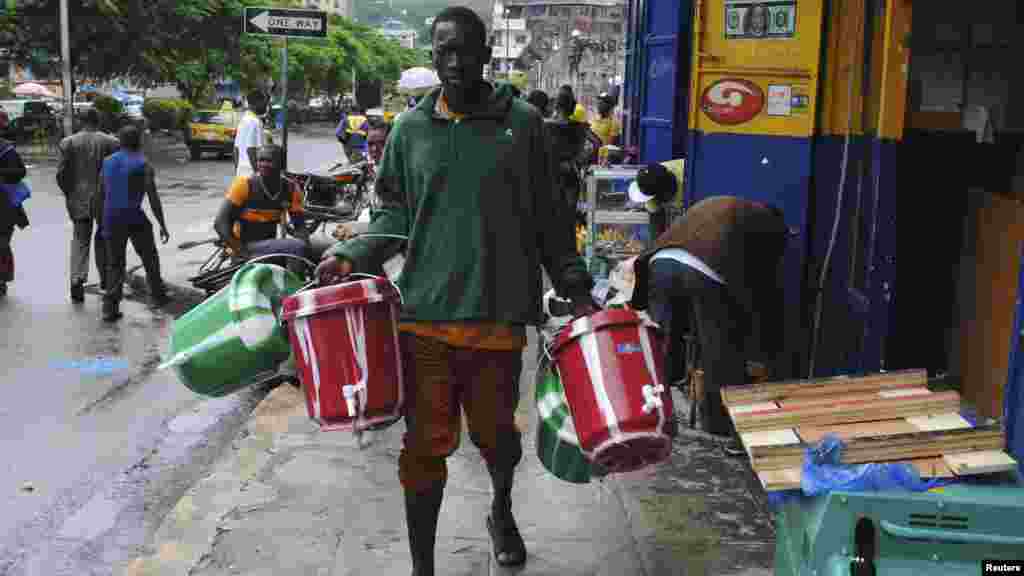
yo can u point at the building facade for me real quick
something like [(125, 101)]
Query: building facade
[(509, 39), (336, 7), (571, 42), (399, 32)]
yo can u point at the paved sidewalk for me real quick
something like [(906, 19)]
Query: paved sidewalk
[(288, 499)]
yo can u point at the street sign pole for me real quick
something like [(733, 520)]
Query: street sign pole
[(284, 22), (65, 65), (284, 104)]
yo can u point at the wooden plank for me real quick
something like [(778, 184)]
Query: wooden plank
[(933, 422), (773, 480), (837, 385), (769, 438), (982, 462), (814, 434), (885, 448), (755, 407), (789, 478), (846, 398), (987, 299), (843, 413), (932, 468), (903, 392)]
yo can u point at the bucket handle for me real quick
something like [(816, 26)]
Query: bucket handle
[(274, 256), (316, 282), (550, 343)]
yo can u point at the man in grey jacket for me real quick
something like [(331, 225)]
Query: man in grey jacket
[(81, 158)]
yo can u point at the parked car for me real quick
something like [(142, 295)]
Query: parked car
[(27, 117), (131, 113), (215, 130), (211, 130), (14, 109), (321, 108)]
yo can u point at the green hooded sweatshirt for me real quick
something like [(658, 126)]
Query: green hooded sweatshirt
[(476, 198)]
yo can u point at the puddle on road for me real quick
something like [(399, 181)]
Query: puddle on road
[(99, 366), (126, 386)]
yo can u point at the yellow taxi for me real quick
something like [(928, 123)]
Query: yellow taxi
[(214, 130)]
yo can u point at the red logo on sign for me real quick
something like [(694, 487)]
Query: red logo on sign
[(732, 101)]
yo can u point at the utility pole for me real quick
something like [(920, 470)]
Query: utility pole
[(284, 104), (65, 54)]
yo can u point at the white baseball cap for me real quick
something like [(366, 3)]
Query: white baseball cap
[(636, 195)]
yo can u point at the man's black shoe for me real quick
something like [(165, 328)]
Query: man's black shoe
[(78, 292), (160, 299), (111, 311)]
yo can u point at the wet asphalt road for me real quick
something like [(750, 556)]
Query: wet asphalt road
[(96, 443)]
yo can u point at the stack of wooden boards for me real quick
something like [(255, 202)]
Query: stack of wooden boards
[(888, 417)]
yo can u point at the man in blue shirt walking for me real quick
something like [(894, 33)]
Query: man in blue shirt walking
[(126, 177)]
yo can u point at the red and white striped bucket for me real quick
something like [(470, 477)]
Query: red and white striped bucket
[(611, 369), (345, 342)]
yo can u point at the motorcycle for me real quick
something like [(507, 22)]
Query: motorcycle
[(220, 266), (338, 193)]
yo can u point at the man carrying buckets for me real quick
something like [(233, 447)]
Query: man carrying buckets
[(722, 258), (467, 176)]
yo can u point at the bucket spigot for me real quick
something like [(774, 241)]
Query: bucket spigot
[(652, 398)]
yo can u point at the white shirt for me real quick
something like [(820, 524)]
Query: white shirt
[(688, 260), (249, 135)]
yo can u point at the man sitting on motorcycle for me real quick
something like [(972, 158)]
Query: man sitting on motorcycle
[(255, 205)]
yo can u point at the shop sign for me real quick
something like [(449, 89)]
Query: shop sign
[(732, 101), (780, 100), (755, 19)]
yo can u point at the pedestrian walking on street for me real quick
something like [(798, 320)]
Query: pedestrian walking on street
[(249, 136), (467, 177), (78, 176), (12, 171), (569, 144), (719, 261), (127, 177)]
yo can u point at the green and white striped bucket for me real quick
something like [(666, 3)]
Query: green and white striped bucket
[(234, 338), (558, 447)]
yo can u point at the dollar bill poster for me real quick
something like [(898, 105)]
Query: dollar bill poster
[(755, 19)]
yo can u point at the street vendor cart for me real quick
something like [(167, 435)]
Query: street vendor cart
[(616, 229)]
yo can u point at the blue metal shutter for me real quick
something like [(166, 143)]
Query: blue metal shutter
[(664, 78)]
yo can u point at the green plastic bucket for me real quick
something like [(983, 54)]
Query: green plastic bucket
[(558, 446), (234, 338)]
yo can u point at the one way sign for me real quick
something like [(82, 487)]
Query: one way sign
[(285, 22)]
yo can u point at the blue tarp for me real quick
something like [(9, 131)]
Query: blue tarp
[(822, 472)]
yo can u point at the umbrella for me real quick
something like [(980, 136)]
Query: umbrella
[(418, 79), (32, 89)]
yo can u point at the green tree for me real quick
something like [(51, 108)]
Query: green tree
[(195, 42)]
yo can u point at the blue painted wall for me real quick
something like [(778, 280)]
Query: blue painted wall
[(857, 310), (771, 169)]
